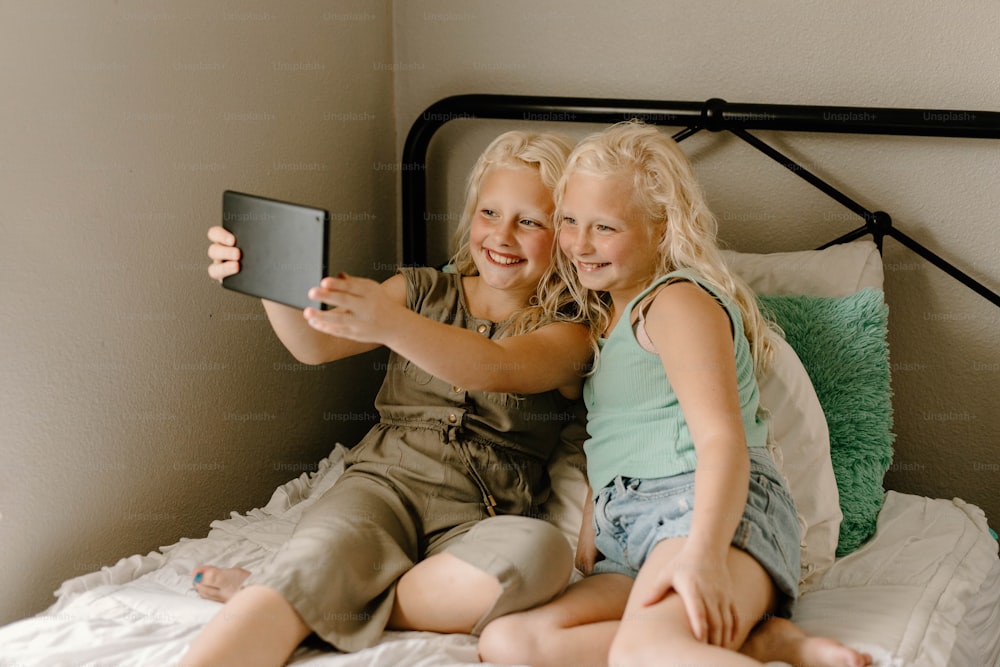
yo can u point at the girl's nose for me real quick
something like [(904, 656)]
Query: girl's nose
[(580, 242), (504, 232)]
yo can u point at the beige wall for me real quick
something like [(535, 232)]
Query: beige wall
[(139, 400), (944, 193)]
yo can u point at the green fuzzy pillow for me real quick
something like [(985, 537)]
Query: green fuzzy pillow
[(842, 343)]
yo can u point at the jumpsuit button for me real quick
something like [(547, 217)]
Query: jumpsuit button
[(456, 389), (452, 419), (482, 328)]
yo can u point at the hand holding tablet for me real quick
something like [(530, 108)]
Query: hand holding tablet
[(281, 248)]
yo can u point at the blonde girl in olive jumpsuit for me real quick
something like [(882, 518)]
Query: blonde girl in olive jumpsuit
[(429, 527)]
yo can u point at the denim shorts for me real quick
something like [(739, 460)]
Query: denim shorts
[(632, 515)]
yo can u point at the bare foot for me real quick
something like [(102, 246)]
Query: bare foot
[(219, 584), (780, 639)]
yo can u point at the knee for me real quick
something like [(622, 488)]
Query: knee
[(630, 649), (622, 654), (510, 640), (551, 562), (537, 556), (626, 654)]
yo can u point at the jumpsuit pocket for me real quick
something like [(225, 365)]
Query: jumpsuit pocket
[(416, 373), (504, 477)]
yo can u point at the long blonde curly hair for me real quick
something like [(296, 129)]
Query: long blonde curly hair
[(664, 189), (546, 154)]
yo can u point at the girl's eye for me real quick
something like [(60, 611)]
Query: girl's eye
[(568, 221), (604, 228), (488, 212), (528, 222)]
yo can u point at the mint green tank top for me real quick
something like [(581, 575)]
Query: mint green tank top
[(634, 421)]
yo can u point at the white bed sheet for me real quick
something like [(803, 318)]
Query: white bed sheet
[(925, 591)]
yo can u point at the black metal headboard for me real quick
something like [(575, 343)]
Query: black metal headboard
[(714, 115)]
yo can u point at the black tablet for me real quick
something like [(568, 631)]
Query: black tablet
[(283, 246)]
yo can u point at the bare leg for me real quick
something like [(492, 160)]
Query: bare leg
[(648, 633), (574, 629), (426, 596), (443, 594), (782, 640), (218, 584), (256, 628), (578, 628)]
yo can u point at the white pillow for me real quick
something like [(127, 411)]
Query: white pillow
[(798, 428), (800, 444), (839, 270)]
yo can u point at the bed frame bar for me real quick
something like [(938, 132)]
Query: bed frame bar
[(715, 115)]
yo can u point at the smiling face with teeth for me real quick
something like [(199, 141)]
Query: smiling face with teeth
[(607, 239), (512, 233)]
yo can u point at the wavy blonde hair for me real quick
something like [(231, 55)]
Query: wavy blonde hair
[(667, 193), (545, 154)]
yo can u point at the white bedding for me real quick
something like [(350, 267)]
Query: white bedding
[(925, 591)]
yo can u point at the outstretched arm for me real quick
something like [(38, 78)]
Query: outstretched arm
[(306, 344), (552, 357)]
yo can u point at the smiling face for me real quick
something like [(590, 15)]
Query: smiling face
[(606, 237), (511, 231)]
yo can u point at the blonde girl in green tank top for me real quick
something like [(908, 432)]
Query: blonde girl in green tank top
[(703, 590)]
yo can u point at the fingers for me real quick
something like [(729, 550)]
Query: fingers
[(225, 261), (354, 308), (696, 614), (221, 235), (223, 252), (340, 281), (734, 627), (219, 270), (329, 297), (322, 321), (348, 284), (714, 628), (663, 586), (715, 624), (712, 617), (339, 322), (723, 631), (344, 291), (313, 315)]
